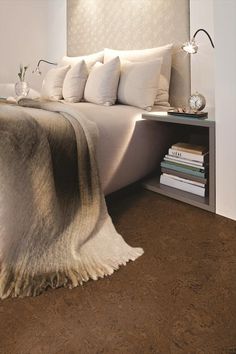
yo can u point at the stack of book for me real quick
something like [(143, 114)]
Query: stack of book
[(186, 168)]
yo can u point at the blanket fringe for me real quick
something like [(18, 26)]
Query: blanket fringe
[(14, 284)]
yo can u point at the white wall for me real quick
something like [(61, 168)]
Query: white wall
[(202, 63), (225, 89), (30, 30), (214, 74)]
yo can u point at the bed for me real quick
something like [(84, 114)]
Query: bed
[(127, 148), (57, 162), (54, 226)]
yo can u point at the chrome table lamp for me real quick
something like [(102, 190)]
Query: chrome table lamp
[(37, 70), (191, 47)]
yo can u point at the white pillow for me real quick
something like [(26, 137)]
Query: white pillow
[(53, 82), (74, 83), (164, 52), (102, 83), (139, 83), (90, 59)]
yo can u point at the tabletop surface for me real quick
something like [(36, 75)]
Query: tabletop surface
[(170, 118)]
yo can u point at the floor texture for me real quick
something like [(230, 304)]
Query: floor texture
[(179, 297)]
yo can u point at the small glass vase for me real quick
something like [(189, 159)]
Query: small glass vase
[(22, 88)]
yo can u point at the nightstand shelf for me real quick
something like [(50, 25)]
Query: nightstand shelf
[(153, 184), (192, 130)]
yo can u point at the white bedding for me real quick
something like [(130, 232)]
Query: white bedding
[(128, 147)]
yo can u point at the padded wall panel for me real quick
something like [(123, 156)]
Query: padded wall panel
[(132, 24)]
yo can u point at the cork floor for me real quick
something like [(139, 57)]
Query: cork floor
[(179, 297)]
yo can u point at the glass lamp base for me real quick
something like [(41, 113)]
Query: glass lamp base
[(22, 88)]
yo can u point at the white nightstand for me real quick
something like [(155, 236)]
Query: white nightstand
[(197, 131)]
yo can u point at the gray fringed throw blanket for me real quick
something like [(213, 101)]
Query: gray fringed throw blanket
[(54, 227)]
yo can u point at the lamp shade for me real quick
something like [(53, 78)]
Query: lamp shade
[(191, 47), (37, 71)]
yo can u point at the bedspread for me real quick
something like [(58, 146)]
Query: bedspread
[(54, 226)]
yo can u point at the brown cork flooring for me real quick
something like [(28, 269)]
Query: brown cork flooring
[(179, 297)]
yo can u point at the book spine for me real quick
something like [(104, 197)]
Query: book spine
[(186, 155), (184, 175), (189, 181), (191, 151), (183, 186), (185, 165), (182, 169), (184, 161)]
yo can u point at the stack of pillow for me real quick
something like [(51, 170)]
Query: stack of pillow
[(138, 78)]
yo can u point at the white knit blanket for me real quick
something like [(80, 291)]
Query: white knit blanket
[(54, 227)]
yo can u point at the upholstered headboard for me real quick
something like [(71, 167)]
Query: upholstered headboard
[(133, 24)]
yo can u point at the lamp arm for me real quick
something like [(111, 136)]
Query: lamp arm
[(45, 61), (210, 39), (37, 67)]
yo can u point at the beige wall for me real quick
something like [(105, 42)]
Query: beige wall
[(214, 74), (225, 91), (30, 29), (202, 64)]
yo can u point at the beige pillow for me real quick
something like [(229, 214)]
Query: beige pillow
[(164, 52), (53, 82), (74, 83), (90, 59), (139, 83), (102, 83)]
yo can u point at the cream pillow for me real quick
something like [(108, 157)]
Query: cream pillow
[(74, 83), (53, 82), (164, 52), (139, 83), (90, 59), (102, 83)]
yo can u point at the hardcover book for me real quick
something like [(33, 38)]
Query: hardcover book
[(188, 155), (191, 148), (182, 185), (185, 165), (184, 175), (180, 168), (184, 161), (189, 181)]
